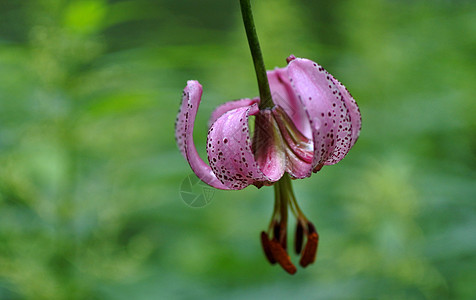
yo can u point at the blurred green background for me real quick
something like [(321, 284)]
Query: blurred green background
[(90, 173)]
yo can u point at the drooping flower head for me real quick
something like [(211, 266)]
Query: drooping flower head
[(314, 122)]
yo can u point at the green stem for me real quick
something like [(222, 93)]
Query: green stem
[(263, 85)]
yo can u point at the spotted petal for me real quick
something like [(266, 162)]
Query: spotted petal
[(354, 111), (326, 107), (184, 134), (225, 107), (231, 155)]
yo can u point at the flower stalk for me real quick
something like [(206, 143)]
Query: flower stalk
[(253, 42)]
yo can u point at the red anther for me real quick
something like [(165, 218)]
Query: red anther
[(311, 228), (310, 250), (266, 247), (298, 238), (282, 256)]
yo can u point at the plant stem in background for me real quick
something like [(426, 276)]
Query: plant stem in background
[(263, 85)]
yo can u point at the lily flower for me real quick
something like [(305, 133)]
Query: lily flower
[(314, 122)]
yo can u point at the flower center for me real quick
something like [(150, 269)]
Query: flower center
[(297, 145), (279, 147)]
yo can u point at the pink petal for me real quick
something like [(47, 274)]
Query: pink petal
[(285, 97), (268, 147), (184, 134), (326, 107), (230, 151), (354, 111), (220, 110)]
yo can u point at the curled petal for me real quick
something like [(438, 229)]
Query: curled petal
[(225, 107), (184, 134), (353, 108), (230, 151), (326, 107)]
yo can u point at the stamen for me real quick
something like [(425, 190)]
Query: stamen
[(282, 257), (310, 227), (275, 248), (298, 238), (310, 250), (267, 248), (277, 231), (284, 241)]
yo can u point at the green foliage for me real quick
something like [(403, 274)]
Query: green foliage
[(90, 173)]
